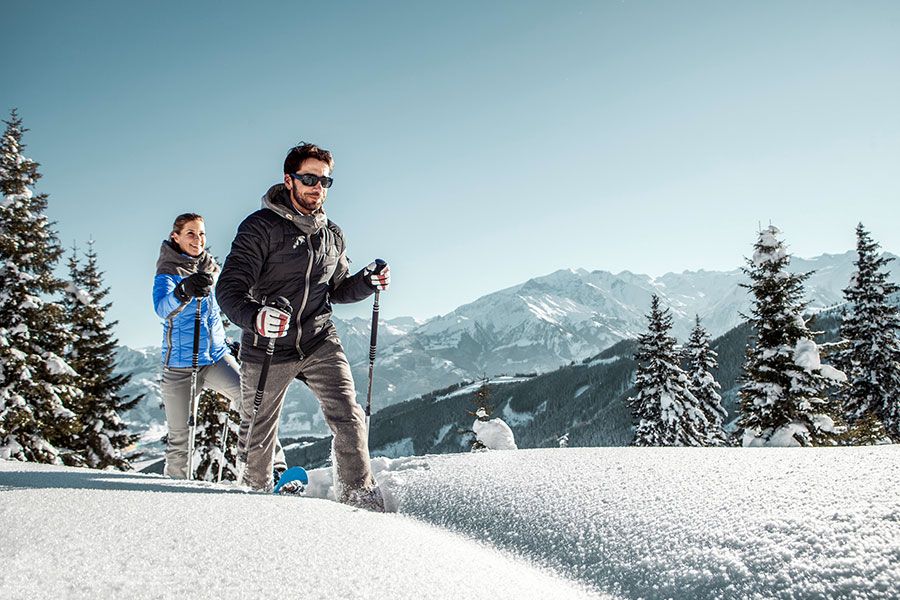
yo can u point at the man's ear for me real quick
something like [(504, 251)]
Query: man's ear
[(287, 180)]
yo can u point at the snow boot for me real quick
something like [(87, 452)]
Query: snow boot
[(370, 499)]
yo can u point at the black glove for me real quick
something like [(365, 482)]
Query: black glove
[(198, 285)]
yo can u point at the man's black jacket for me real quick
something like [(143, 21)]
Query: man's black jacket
[(280, 252)]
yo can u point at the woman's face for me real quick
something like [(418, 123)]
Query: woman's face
[(192, 238)]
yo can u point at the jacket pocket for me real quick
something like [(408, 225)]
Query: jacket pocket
[(329, 264)]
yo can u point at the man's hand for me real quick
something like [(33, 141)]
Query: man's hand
[(272, 322), (198, 285), (378, 274)]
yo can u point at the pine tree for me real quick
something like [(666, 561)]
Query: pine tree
[(104, 438), (482, 411), (867, 430), (482, 401), (871, 328), (213, 412), (36, 385), (701, 361), (666, 410), (783, 391), (212, 415)]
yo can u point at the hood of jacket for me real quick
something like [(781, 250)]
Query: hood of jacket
[(172, 261), (278, 201)]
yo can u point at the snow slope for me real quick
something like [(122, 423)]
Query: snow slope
[(675, 522), (630, 522), (77, 533)]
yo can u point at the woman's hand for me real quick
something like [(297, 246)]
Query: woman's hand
[(198, 285)]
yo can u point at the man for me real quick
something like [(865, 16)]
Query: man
[(289, 248)]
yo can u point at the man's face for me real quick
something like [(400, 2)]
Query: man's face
[(308, 199)]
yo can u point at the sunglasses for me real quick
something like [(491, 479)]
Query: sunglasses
[(309, 180)]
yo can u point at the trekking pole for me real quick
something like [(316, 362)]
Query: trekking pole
[(192, 416), (282, 304), (234, 348), (224, 446), (379, 266)]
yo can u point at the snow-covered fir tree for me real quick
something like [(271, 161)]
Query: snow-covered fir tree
[(871, 327), (666, 411), (216, 425), (482, 401), (103, 439), (701, 361), (37, 387), (487, 433), (217, 428), (482, 410), (868, 430), (784, 384)]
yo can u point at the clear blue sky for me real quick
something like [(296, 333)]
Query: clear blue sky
[(476, 144)]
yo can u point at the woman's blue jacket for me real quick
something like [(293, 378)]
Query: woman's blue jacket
[(178, 317)]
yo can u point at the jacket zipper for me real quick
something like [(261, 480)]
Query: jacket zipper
[(256, 335), (171, 321), (209, 314), (170, 318), (309, 266)]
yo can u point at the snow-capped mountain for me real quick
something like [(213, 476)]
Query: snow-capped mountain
[(355, 334), (586, 401), (570, 315), (536, 326)]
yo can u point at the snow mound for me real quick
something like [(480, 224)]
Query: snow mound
[(79, 533), (494, 434), (627, 522), (676, 522)]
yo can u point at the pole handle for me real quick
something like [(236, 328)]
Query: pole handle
[(281, 303)]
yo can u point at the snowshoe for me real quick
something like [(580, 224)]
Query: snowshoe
[(292, 482)]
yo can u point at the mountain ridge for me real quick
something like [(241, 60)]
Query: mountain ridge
[(536, 326)]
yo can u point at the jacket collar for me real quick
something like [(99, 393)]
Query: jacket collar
[(172, 261), (278, 201)]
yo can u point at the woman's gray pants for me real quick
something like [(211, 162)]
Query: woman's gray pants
[(327, 373), (223, 377)]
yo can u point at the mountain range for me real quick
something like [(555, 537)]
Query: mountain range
[(586, 402), (570, 315), (535, 327)]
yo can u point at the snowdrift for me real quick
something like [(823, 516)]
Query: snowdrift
[(556, 523), (675, 522), (77, 533)]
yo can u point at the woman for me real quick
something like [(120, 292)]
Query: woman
[(185, 273)]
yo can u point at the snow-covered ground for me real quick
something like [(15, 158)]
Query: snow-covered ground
[(674, 522), (77, 533), (628, 522)]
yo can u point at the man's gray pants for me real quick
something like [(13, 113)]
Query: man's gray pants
[(327, 373), (223, 377)]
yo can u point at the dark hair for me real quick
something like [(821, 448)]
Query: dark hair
[(181, 220), (301, 152)]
